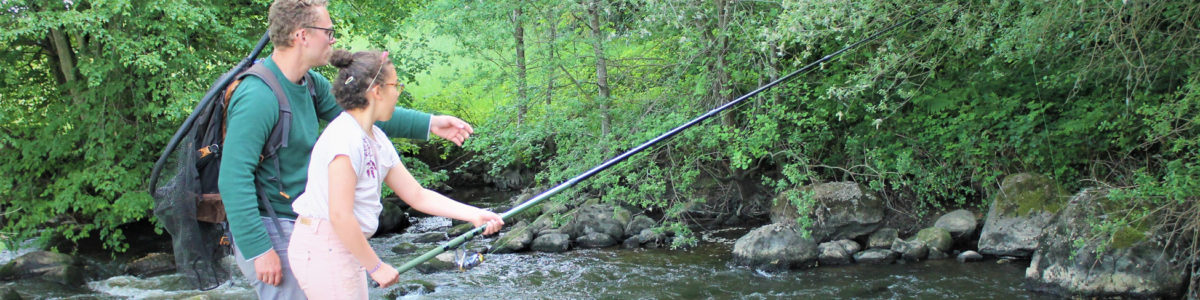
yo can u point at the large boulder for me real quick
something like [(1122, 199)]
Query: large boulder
[(50, 266), (393, 218), (936, 238), (554, 242), (598, 218), (775, 247), (876, 256), (638, 224), (1024, 206), (960, 223), (911, 250), (1134, 263), (840, 252), (516, 239), (882, 238), (841, 210), (152, 264)]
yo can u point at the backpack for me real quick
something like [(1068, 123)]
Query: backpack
[(189, 204)]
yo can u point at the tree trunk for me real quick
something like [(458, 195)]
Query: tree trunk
[(720, 84), (66, 62), (519, 36), (601, 67), (551, 45)]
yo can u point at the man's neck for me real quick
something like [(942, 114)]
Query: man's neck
[(290, 63)]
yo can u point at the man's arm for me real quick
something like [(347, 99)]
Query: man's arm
[(252, 113)]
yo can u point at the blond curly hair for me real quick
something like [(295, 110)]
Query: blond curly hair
[(288, 15)]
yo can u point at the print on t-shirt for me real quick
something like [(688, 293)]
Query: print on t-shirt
[(369, 156)]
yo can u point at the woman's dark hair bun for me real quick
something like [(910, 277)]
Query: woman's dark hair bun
[(341, 59)]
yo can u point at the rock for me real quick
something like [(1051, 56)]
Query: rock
[(439, 263), (405, 248), (598, 218), (652, 239), (152, 264), (411, 288), (595, 240), (876, 256), (51, 266), (459, 229), (913, 251), (775, 247), (960, 223), (882, 238), (839, 252), (516, 239), (1135, 265), (554, 242), (969, 256), (393, 218), (638, 224), (842, 210), (936, 238), (1024, 206), (8, 293), (430, 237), (936, 255)]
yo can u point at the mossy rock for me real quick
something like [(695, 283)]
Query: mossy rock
[(1025, 193), (936, 238)]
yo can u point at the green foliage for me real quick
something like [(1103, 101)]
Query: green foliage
[(92, 90), (932, 116)]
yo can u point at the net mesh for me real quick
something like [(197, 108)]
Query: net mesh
[(197, 245)]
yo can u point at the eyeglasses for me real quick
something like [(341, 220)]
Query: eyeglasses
[(399, 86), (329, 32)]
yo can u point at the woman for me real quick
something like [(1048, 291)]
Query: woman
[(341, 204)]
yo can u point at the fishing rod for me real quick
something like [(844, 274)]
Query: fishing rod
[(619, 158)]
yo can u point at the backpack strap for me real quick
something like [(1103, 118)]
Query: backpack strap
[(278, 138)]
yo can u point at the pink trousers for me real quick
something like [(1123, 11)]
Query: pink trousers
[(322, 265)]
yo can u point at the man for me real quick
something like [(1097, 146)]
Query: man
[(303, 35)]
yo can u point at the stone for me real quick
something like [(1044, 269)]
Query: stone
[(411, 288), (840, 252), (882, 238), (936, 238), (554, 242), (50, 266), (912, 251), (459, 229), (841, 210), (439, 263), (393, 218), (1022, 208), (516, 239), (405, 248), (595, 240), (775, 247), (1135, 265), (876, 256), (8, 293), (152, 264), (937, 255), (638, 224), (960, 223), (430, 237), (969, 256)]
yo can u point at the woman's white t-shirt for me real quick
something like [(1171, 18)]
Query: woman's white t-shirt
[(371, 159)]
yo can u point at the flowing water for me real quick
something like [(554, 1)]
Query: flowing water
[(699, 273)]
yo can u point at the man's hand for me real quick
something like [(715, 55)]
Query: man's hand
[(268, 268), (448, 127)]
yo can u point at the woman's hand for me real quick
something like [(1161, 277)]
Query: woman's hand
[(491, 219), (386, 275)]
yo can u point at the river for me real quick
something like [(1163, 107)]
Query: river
[(703, 272)]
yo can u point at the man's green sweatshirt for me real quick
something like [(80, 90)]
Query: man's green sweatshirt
[(252, 114)]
